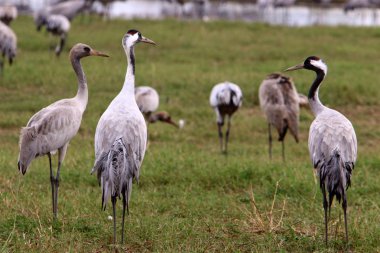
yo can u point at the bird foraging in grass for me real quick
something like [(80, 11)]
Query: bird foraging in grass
[(332, 144)]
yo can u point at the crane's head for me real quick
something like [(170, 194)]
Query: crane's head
[(133, 37), (163, 117), (82, 50), (311, 63)]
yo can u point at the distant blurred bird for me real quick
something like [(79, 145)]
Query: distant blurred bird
[(53, 127), (8, 44), (69, 9), (147, 100), (332, 143), (225, 99), (8, 13), (57, 25), (279, 101), (120, 138)]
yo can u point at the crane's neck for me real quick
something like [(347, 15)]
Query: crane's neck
[(315, 104), (82, 94), (129, 83)]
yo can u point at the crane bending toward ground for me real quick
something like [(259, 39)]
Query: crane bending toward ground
[(332, 143), (225, 99), (69, 9), (120, 138), (8, 44), (279, 101), (147, 100), (8, 13), (57, 25), (53, 127)]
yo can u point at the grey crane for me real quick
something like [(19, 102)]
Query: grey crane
[(147, 100), (120, 138), (57, 25), (280, 103), (53, 127), (332, 143), (8, 13), (225, 99), (8, 44)]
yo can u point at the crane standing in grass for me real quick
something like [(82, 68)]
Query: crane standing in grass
[(57, 25), (225, 98), (279, 101), (120, 138), (332, 143), (53, 127), (147, 100), (8, 44)]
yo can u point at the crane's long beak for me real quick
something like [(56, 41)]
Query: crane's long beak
[(97, 53), (172, 123), (146, 40), (299, 66)]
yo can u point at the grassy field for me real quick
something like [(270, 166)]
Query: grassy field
[(190, 197)]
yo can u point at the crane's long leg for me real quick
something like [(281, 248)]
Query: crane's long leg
[(220, 136), (61, 157), (61, 44), (228, 131), (122, 223), (325, 208), (344, 205), (52, 183), (270, 140), (283, 150), (113, 199)]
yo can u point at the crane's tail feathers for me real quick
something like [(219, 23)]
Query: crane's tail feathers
[(335, 175), (116, 171)]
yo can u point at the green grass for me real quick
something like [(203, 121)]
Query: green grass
[(190, 197)]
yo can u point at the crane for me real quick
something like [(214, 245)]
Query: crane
[(279, 101), (57, 25), (147, 100), (8, 44), (332, 144), (120, 138), (53, 127), (225, 99)]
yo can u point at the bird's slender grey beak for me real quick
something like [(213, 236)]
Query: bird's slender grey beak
[(172, 123), (97, 53), (299, 66), (146, 40)]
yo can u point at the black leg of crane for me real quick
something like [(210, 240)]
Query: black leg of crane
[(113, 199), (220, 136), (228, 132), (122, 223), (270, 141), (52, 184), (325, 205), (344, 205)]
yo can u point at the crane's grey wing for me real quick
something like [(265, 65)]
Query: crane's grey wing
[(272, 102), (330, 133), (291, 102)]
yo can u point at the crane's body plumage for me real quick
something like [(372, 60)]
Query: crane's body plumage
[(225, 98), (332, 144), (120, 138), (147, 99), (279, 101)]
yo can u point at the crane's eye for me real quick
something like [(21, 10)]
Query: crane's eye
[(87, 49)]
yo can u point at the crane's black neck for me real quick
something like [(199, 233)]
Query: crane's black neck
[(132, 59), (317, 82)]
